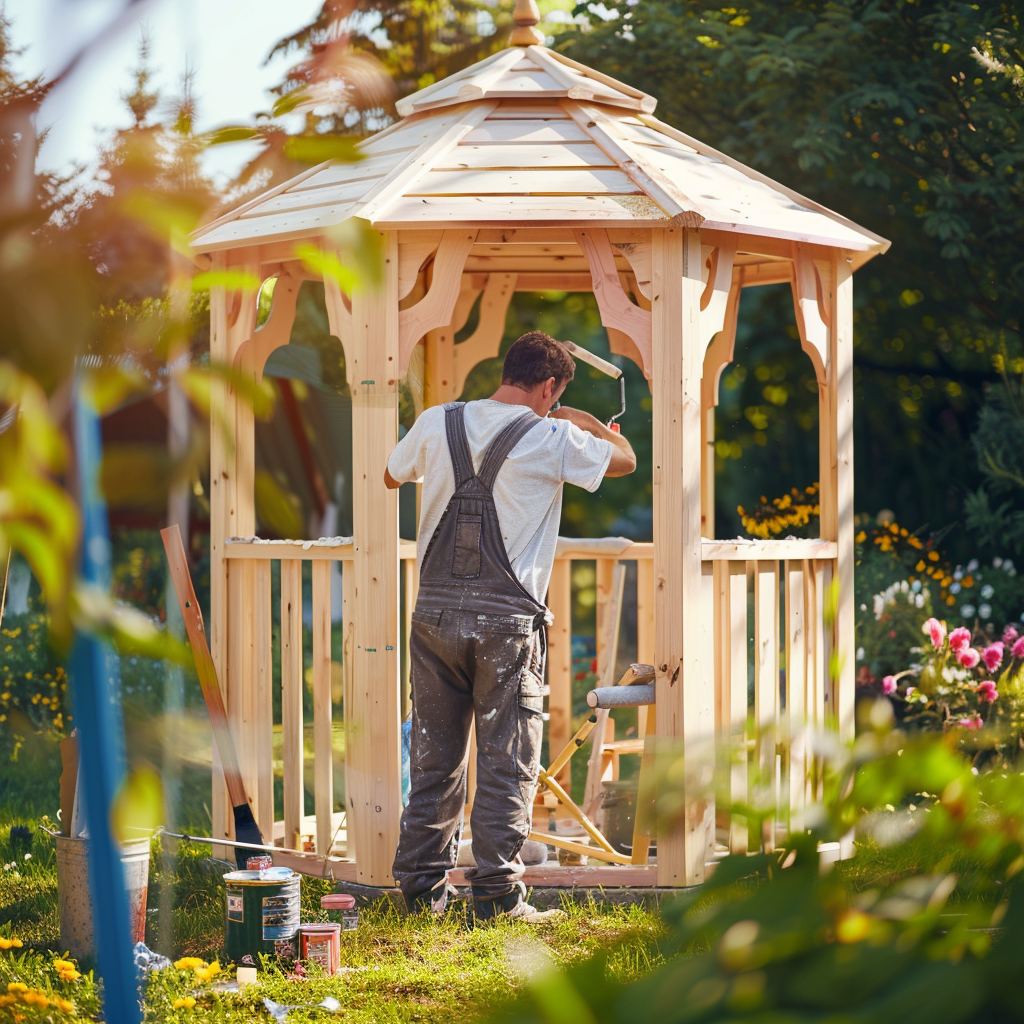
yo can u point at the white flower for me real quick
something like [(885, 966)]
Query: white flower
[(860, 653), (996, 562), (972, 565), (987, 591), (1008, 565), (984, 610), (919, 600), (967, 610), (954, 588), (916, 586), (28, 856)]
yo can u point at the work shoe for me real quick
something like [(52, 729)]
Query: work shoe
[(513, 906), (435, 900)]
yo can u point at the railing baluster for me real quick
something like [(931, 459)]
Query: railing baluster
[(766, 679), (560, 662), (796, 695), (263, 726), (291, 698), (734, 652), (323, 770)]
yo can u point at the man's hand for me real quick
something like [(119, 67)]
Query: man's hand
[(623, 461)]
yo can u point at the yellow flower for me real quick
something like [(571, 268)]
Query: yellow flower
[(66, 1005), (17, 986), (206, 973), (861, 537), (188, 962), (11, 943), (64, 965), (933, 556), (184, 1003)]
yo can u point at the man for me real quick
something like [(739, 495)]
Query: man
[(492, 474)]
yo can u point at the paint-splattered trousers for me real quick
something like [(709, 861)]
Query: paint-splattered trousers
[(487, 669)]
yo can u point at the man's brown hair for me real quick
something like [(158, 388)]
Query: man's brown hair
[(534, 358)]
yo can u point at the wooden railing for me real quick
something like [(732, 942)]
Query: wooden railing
[(767, 616)]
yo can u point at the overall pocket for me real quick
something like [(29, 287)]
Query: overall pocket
[(466, 557)]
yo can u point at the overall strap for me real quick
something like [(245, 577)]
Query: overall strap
[(458, 446), (500, 447)]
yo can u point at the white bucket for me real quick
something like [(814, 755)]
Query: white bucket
[(76, 913)]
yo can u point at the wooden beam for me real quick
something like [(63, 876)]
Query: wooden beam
[(684, 684), (767, 550)]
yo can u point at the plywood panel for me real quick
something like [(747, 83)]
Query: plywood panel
[(527, 131), (527, 182), (531, 155), (291, 699)]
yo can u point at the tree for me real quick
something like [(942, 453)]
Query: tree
[(905, 116)]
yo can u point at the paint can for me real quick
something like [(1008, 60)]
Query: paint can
[(260, 863), (345, 905), (261, 914), (321, 943)]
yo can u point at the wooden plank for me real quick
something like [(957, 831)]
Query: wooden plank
[(817, 669), (571, 181), (351, 728), (735, 639), (476, 211), (323, 753), (374, 779), (767, 550), (263, 683), (606, 876), (685, 683), (307, 199), (344, 173), (527, 110), (766, 679), (560, 663), (647, 103), (526, 132), (406, 106), (443, 382), (510, 157), (796, 688), (291, 698), (296, 225)]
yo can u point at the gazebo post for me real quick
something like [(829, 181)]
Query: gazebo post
[(232, 513), (683, 650), (373, 781)]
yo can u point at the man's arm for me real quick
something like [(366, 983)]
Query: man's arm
[(623, 461), (389, 481)]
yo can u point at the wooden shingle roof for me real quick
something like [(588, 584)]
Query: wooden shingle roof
[(528, 137)]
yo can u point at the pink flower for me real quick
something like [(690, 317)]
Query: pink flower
[(987, 691), (968, 657), (959, 639), (1018, 648), (937, 631), (993, 655), (974, 722), (889, 684), (1009, 635)]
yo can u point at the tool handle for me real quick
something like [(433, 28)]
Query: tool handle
[(205, 669), (596, 361)]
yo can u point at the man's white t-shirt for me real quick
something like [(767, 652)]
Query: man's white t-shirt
[(527, 490)]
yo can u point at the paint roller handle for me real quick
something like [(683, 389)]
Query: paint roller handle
[(597, 362)]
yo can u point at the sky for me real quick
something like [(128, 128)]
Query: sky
[(225, 42)]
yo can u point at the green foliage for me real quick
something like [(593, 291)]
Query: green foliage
[(769, 937), (906, 117), (995, 512)]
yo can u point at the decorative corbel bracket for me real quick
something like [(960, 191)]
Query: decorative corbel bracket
[(253, 353), (435, 309), (721, 351), (811, 295), (485, 341), (617, 311), (714, 300)]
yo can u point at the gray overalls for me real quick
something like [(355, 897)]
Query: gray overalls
[(477, 648)]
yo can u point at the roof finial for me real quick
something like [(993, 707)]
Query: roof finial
[(526, 15)]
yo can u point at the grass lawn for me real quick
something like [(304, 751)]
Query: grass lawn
[(396, 968)]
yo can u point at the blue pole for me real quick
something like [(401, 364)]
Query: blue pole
[(96, 699)]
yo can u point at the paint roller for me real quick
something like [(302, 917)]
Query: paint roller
[(579, 352)]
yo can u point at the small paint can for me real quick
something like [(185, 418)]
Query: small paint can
[(345, 905), (321, 944)]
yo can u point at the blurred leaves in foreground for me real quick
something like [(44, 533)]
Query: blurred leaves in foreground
[(771, 938)]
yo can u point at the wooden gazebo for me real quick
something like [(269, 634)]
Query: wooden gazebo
[(529, 171)]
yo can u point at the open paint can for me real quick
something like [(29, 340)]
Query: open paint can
[(345, 905), (321, 943), (261, 914)]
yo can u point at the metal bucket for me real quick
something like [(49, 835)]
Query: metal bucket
[(261, 914), (76, 912)]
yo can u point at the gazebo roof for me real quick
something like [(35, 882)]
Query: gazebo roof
[(531, 138)]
